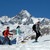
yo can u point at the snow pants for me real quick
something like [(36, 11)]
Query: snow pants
[(6, 39), (37, 35), (19, 36)]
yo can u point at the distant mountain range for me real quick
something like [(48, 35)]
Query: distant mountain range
[(23, 17)]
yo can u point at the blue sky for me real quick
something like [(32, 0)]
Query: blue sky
[(37, 8)]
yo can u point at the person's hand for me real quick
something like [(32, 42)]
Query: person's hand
[(12, 34), (36, 31), (19, 34), (23, 32)]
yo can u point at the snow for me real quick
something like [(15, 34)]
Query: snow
[(35, 20), (4, 18), (28, 14), (24, 20), (43, 44), (25, 12), (25, 17)]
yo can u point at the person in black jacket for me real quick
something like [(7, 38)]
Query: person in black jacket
[(36, 28)]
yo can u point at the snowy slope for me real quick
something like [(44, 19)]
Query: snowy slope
[(43, 44)]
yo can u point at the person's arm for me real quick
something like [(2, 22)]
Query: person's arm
[(37, 28), (19, 31), (10, 34)]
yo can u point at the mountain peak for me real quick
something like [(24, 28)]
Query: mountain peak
[(4, 18), (25, 12)]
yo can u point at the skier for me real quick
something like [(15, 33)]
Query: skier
[(19, 34), (6, 33), (36, 28)]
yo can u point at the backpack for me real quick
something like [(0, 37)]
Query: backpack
[(34, 27), (3, 32)]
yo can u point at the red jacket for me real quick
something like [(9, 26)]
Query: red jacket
[(7, 33)]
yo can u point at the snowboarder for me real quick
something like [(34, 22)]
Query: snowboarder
[(6, 33), (19, 34), (36, 28)]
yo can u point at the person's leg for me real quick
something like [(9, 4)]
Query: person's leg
[(4, 40), (37, 35), (17, 39), (22, 38), (8, 41), (1, 42), (36, 38)]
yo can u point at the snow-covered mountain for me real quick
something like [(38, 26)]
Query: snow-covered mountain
[(4, 18), (45, 21), (25, 20), (24, 17)]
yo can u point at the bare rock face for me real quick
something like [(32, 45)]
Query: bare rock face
[(45, 30)]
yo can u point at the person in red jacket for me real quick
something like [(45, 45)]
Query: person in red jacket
[(6, 39)]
